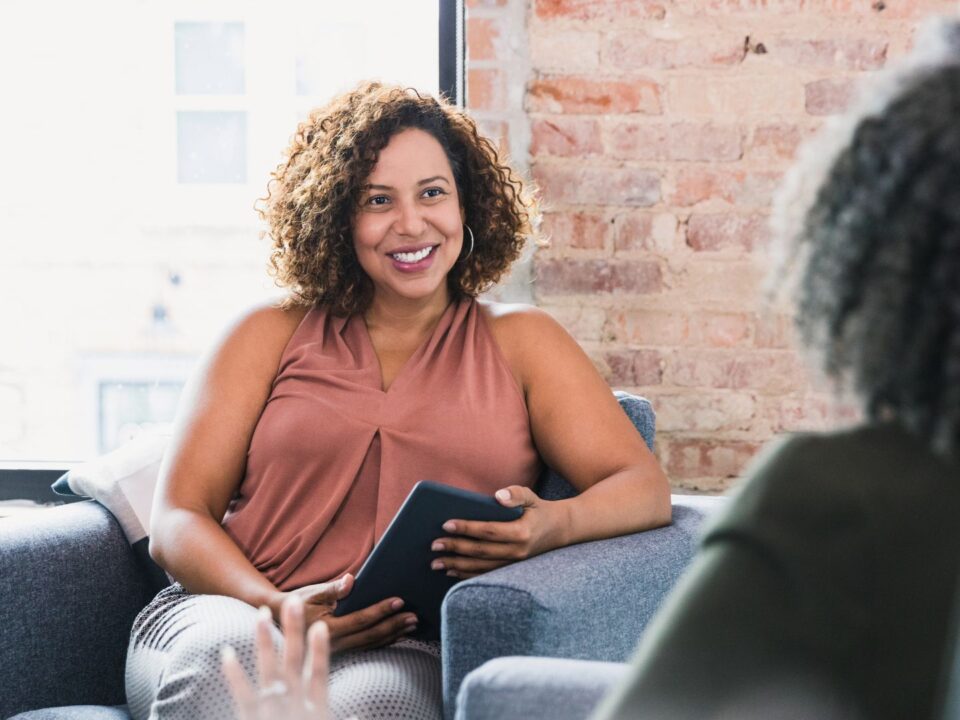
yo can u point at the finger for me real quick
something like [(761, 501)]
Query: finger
[(380, 634), (367, 617), (502, 531), (292, 617), (479, 549), (242, 691), (317, 668), (456, 564), (516, 496), (266, 662)]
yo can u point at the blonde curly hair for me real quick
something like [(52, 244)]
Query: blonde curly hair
[(315, 192)]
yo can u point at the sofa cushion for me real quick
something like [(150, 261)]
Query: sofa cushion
[(123, 482), (536, 687), (77, 712)]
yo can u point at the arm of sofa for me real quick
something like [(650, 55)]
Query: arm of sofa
[(70, 590), (589, 601)]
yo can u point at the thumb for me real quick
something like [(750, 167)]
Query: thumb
[(516, 496), (328, 593)]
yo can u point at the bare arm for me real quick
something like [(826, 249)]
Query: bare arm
[(206, 461), (581, 432)]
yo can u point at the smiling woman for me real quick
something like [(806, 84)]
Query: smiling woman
[(312, 419)]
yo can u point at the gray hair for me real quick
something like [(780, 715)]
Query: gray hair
[(868, 224)]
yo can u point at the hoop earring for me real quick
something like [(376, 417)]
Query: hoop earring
[(470, 252)]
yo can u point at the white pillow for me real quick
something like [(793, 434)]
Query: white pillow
[(123, 481)]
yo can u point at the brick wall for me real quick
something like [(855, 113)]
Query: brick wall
[(657, 131)]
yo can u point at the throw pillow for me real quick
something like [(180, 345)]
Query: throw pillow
[(123, 482)]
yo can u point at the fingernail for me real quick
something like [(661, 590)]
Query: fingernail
[(412, 620), (227, 653), (451, 573), (437, 565), (396, 604), (437, 546), (503, 494), (450, 526), (265, 613), (409, 628)]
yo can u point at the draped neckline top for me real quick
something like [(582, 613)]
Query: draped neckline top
[(334, 455)]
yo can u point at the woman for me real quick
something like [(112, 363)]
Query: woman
[(311, 421), (826, 590)]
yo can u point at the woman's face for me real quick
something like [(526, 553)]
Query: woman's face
[(408, 231)]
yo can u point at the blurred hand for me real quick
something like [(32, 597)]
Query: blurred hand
[(484, 546), (374, 626), (293, 688)]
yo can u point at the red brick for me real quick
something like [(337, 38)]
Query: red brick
[(631, 51), (778, 141), (633, 368), (485, 3), (585, 323), (594, 10), (724, 7), (716, 95), (485, 90), (575, 94), (886, 9), (578, 230), (483, 34), (586, 277), (648, 327), (565, 136), (843, 54), (797, 413), (725, 231), (829, 97), (722, 330), (694, 458), (580, 184), (737, 187), (634, 232), (703, 411), (768, 371), (571, 50), (773, 331), (677, 141)]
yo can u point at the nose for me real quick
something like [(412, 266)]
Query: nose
[(409, 220)]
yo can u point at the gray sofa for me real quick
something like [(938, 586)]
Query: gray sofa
[(71, 588)]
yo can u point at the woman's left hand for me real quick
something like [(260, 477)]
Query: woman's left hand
[(477, 547)]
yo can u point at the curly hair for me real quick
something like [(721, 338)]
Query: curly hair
[(878, 293), (315, 191)]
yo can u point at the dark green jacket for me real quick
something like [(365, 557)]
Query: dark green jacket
[(825, 590)]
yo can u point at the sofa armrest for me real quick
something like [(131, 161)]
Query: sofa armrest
[(589, 601), (70, 590), (519, 688)]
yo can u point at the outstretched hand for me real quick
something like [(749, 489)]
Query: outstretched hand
[(295, 688), (477, 547)]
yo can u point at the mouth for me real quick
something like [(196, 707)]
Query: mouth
[(410, 258)]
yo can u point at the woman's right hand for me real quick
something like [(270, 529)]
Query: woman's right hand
[(374, 626)]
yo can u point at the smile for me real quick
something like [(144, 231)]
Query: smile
[(409, 258)]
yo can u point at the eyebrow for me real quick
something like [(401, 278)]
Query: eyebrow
[(425, 181)]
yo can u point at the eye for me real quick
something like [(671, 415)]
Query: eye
[(377, 200), (434, 192)]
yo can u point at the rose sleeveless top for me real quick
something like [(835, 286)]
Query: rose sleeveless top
[(333, 456)]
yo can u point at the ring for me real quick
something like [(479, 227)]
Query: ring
[(277, 687)]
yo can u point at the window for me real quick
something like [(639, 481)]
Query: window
[(133, 162)]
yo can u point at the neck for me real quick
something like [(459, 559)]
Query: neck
[(414, 317)]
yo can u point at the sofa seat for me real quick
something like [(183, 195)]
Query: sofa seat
[(77, 712)]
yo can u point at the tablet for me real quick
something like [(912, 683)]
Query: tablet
[(399, 565)]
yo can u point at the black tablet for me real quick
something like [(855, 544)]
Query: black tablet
[(399, 565)]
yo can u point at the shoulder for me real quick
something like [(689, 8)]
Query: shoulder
[(256, 337), (518, 323), (532, 341)]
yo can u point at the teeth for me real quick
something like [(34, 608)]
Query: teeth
[(413, 256)]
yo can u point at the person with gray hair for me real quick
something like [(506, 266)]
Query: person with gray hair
[(827, 587)]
